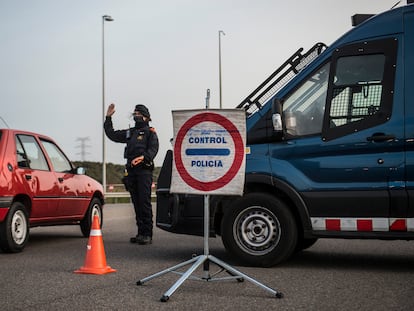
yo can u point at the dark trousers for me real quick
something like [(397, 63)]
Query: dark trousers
[(140, 189)]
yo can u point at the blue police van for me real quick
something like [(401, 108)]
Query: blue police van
[(329, 154)]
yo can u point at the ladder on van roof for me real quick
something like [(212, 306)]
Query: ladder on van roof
[(289, 69)]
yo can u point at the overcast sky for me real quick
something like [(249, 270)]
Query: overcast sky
[(160, 53)]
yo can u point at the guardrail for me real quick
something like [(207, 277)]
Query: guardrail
[(117, 194), (123, 195), (115, 191)]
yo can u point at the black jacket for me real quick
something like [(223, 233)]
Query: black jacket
[(140, 141)]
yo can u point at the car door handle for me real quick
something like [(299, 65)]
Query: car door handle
[(60, 179), (381, 137), (28, 177)]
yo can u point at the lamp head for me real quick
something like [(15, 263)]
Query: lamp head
[(107, 18)]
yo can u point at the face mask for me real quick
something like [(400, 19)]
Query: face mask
[(138, 119)]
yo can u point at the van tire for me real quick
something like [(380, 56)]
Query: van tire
[(259, 229)]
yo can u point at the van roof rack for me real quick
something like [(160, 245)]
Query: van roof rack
[(290, 68)]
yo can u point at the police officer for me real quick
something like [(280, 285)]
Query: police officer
[(141, 148)]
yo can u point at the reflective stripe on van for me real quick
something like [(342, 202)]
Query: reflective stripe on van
[(362, 224)]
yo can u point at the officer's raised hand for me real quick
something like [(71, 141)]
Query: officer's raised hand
[(111, 110)]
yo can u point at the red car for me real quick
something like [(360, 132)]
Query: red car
[(39, 186)]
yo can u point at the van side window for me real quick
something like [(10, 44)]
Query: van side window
[(303, 110), (357, 88), (360, 87)]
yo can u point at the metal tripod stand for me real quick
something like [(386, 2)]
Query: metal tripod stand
[(205, 260)]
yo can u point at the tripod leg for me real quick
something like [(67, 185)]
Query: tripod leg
[(186, 275), (235, 272), (141, 282)]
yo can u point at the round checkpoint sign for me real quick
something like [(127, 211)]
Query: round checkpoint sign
[(208, 151)]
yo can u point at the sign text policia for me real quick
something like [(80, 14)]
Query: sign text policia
[(209, 151)]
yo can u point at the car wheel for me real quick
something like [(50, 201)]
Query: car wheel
[(259, 229), (95, 208), (14, 230)]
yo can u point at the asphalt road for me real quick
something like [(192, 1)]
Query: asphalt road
[(331, 275)]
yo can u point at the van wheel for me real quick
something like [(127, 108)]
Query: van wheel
[(305, 243), (95, 208), (14, 230), (259, 229)]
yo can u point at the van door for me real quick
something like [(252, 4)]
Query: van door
[(351, 173), (409, 110), (365, 102)]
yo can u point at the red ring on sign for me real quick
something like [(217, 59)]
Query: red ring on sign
[(238, 146)]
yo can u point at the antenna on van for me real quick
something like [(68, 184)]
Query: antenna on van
[(4, 122), (396, 4)]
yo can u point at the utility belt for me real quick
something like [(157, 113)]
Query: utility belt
[(144, 165), (133, 170)]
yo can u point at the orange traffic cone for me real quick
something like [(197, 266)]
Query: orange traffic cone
[(95, 261)]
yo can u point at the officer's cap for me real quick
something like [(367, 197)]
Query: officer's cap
[(144, 111)]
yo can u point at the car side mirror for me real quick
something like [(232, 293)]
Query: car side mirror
[(80, 171)]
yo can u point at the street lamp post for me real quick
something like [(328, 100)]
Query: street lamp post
[(219, 35), (105, 18)]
